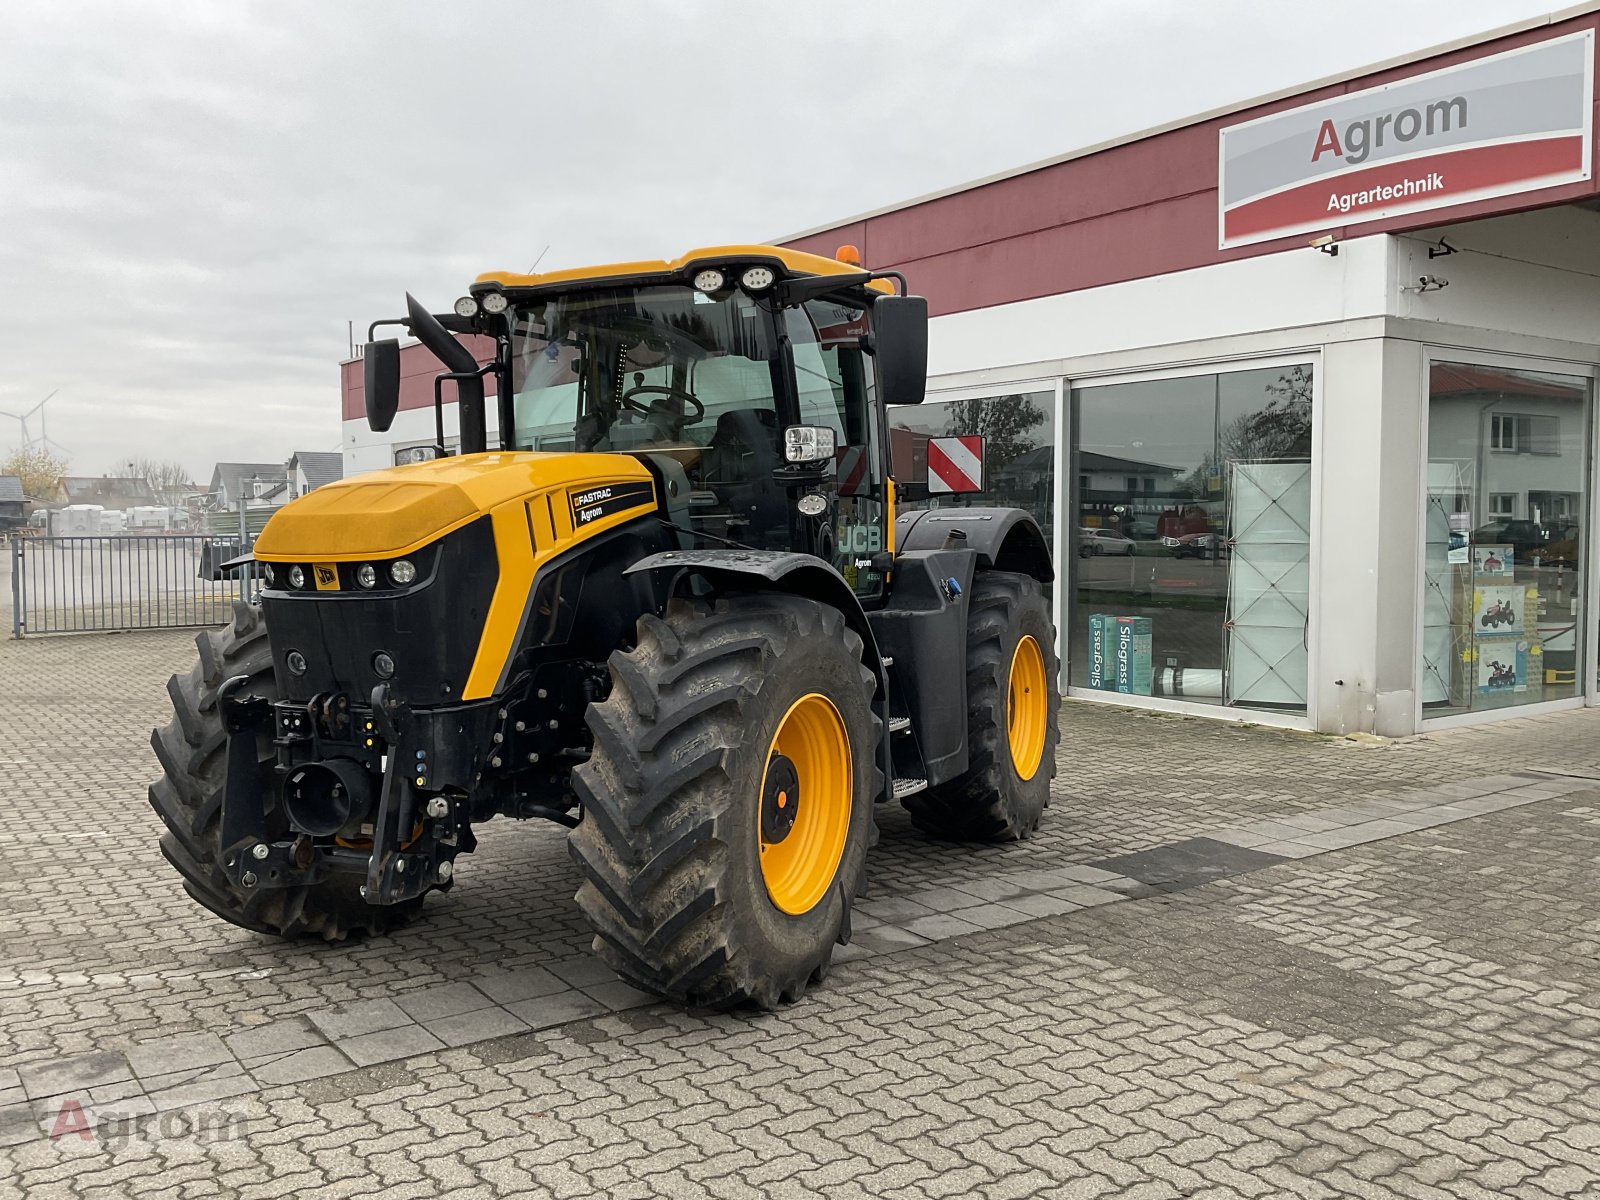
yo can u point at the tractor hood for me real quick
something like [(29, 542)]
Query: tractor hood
[(393, 512)]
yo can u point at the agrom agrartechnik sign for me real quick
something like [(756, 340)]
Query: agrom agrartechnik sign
[(1496, 126)]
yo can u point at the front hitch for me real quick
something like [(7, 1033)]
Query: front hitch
[(249, 858)]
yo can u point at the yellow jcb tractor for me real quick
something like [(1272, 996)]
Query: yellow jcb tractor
[(673, 610)]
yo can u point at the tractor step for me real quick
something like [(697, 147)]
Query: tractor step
[(909, 787), (899, 724)]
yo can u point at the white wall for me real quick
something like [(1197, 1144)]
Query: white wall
[(1288, 290), (1534, 273), (368, 451)]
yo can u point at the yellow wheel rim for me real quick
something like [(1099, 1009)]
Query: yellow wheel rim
[(804, 804), (1027, 708)]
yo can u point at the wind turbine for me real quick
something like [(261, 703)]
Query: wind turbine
[(43, 441)]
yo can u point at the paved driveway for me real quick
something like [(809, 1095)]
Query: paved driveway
[(1235, 963)]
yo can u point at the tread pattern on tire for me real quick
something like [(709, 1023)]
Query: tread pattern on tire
[(988, 803), (659, 876), (192, 752)]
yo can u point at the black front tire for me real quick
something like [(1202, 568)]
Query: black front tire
[(669, 845), (192, 749), (991, 801)]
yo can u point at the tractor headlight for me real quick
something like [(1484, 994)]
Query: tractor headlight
[(296, 662), (710, 280), (466, 307), (366, 575), (383, 664), (402, 571), (757, 279), (272, 576), (808, 443), (297, 577), (494, 302)]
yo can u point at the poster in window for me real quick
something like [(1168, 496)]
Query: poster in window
[(1502, 666), (1499, 609), (1493, 561)]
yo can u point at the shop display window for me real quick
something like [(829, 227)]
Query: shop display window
[(1193, 537), (1019, 438), (1503, 555)]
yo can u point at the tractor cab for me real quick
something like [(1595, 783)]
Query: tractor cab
[(751, 380)]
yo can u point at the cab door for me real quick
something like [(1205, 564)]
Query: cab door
[(835, 388)]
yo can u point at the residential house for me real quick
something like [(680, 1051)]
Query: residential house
[(310, 469), (108, 491), (13, 504), (259, 485)]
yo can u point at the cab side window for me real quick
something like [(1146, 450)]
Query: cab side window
[(835, 384)]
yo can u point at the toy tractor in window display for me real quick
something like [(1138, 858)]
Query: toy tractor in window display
[(672, 610)]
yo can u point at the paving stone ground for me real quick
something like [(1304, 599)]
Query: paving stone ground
[(1200, 979)]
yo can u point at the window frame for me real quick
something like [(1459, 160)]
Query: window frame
[(1067, 577), (1062, 553), (1589, 694)]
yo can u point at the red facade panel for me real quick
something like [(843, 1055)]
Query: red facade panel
[(418, 368)]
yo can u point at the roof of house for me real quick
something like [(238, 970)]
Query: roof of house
[(1090, 460), (231, 475), (11, 488), (1460, 379), (320, 466), (109, 491)]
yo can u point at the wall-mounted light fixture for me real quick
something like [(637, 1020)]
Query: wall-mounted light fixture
[(1443, 249), (1427, 283), (1326, 244)]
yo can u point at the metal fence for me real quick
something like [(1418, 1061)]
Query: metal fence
[(87, 584)]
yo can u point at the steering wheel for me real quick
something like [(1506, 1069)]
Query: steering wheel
[(697, 411)]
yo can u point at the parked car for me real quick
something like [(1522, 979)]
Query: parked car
[(1196, 545), (1103, 541), (1555, 544), (1526, 538), (1563, 547)]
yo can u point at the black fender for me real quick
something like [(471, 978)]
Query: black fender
[(800, 575), (1006, 539), (776, 570)]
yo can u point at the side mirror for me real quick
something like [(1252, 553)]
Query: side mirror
[(900, 343), (381, 361)]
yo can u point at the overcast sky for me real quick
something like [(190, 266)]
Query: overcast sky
[(195, 197)]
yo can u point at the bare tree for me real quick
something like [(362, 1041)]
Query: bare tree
[(168, 479), (1279, 431), (1004, 422)]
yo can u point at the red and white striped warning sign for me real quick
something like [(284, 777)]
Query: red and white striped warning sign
[(955, 464), (852, 463)]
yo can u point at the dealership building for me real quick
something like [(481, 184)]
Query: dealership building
[(1302, 391)]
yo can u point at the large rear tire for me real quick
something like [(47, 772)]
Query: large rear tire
[(1013, 699), (193, 751), (728, 801)]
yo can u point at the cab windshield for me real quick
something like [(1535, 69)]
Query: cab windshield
[(638, 368), (697, 382)]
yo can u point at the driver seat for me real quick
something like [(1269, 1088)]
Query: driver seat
[(739, 462)]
